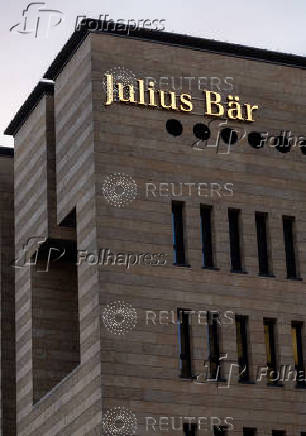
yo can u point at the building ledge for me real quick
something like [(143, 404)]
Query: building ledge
[(43, 87)]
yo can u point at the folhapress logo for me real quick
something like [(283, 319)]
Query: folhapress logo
[(36, 19), (119, 189)]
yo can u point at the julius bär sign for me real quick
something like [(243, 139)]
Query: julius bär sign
[(151, 97)]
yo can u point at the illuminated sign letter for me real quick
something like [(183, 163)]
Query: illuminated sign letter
[(110, 89), (215, 102)]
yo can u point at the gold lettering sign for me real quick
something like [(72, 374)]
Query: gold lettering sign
[(169, 100)]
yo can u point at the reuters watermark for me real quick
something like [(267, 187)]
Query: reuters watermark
[(120, 317), (122, 421), (199, 317), (189, 189), (119, 189), (120, 74), (119, 421), (177, 83), (182, 423)]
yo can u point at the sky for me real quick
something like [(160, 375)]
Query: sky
[(272, 24)]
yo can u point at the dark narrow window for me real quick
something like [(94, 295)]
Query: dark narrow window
[(178, 233), (248, 431), (55, 314), (184, 342), (206, 230), (288, 229), (242, 347), (190, 429), (278, 433), (262, 242), (214, 345), (220, 431), (269, 332), (234, 231), (297, 344)]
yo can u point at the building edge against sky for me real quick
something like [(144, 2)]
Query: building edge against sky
[(242, 253)]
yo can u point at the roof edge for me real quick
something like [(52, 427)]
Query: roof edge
[(43, 87), (88, 25), (7, 151)]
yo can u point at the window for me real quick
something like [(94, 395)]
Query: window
[(214, 345), (178, 233), (289, 239), (55, 314), (242, 346), (297, 344), (206, 230), (70, 219), (190, 429), (234, 225), (248, 431), (269, 332), (278, 433), (220, 431), (262, 242), (184, 342)]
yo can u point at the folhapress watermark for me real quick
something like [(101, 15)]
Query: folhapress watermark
[(37, 20), (104, 23), (281, 375), (36, 245), (106, 257), (213, 371), (30, 254), (236, 372), (222, 135)]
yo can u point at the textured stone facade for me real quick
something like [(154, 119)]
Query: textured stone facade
[(64, 149)]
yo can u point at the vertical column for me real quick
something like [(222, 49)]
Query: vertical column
[(300, 238), (264, 430), (193, 234), (249, 251), (286, 362), (257, 348), (238, 428), (277, 245), (199, 350), (228, 348), (222, 237)]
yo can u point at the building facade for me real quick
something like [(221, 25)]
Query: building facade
[(160, 240)]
